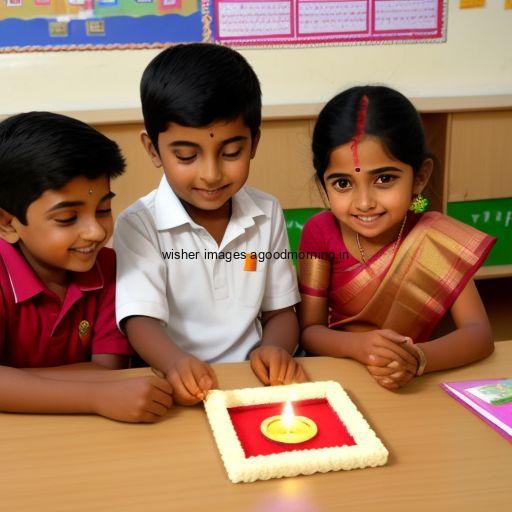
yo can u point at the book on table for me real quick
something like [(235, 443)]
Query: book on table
[(491, 399)]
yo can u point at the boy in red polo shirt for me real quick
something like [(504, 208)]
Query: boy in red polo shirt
[(58, 336)]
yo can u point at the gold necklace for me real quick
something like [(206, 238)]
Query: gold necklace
[(361, 250)]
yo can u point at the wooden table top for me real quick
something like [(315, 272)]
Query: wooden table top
[(442, 457)]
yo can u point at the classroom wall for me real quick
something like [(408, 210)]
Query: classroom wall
[(475, 60)]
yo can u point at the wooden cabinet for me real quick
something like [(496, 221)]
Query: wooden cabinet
[(480, 155)]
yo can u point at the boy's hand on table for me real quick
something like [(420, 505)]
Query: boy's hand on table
[(190, 379), (273, 365), (135, 400)]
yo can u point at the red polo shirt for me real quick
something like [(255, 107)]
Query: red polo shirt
[(37, 329)]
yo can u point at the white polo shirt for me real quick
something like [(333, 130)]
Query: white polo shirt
[(170, 268)]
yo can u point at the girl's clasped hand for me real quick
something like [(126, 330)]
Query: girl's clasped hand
[(388, 357)]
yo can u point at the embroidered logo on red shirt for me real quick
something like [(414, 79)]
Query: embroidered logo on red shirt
[(84, 330)]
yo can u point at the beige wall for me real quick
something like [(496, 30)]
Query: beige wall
[(474, 61)]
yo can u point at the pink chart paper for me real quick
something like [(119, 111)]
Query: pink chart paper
[(317, 22)]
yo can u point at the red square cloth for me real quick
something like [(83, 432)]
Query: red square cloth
[(247, 419)]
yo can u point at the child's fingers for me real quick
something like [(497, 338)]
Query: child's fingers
[(380, 371), (149, 417), (213, 377), (192, 386), (205, 383), (260, 369), (156, 408), (396, 366), (181, 393), (376, 360), (190, 376), (393, 336), (387, 383), (391, 351), (399, 350), (162, 398), (274, 365), (403, 379), (291, 370), (286, 361), (300, 374), (162, 384)]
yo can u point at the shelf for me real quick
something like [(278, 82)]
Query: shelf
[(494, 271), (425, 105)]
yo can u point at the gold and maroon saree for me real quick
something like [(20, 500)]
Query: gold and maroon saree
[(407, 288)]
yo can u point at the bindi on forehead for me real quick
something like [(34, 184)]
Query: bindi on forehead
[(362, 113)]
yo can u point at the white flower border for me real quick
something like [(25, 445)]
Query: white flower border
[(368, 452)]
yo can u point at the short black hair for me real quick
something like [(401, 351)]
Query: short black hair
[(197, 84), (389, 116), (42, 151)]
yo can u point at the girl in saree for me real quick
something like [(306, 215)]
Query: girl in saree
[(376, 273)]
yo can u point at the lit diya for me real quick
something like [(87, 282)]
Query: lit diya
[(289, 428), (261, 434)]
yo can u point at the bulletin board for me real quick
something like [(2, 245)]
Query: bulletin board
[(38, 25)]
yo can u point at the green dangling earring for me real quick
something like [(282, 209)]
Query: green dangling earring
[(419, 204)]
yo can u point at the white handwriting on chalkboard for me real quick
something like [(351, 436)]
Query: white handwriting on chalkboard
[(502, 217)]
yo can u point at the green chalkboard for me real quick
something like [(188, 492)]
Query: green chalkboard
[(493, 216), (295, 219)]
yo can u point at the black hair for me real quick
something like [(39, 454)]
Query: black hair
[(42, 151), (197, 84), (373, 111)]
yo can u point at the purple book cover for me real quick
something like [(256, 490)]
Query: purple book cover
[(499, 417)]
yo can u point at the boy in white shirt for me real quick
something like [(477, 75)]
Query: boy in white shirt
[(203, 274)]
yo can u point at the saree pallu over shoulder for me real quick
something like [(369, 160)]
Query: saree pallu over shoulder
[(430, 269)]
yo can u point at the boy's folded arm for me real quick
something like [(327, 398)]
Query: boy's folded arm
[(23, 391), (96, 370), (139, 399)]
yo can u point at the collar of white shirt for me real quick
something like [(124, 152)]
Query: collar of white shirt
[(170, 213)]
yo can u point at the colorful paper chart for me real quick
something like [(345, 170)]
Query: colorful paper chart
[(37, 25), (317, 22)]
